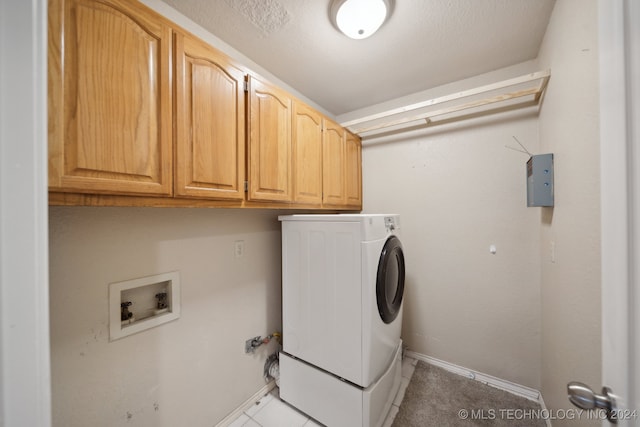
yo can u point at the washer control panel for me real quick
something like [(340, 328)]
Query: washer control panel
[(390, 223)]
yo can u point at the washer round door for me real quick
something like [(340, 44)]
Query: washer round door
[(390, 280)]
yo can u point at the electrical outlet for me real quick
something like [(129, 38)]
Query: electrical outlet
[(238, 248)]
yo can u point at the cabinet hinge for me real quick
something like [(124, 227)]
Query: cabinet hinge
[(246, 86), (246, 186)]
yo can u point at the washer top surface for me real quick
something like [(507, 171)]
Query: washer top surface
[(373, 226), (333, 217)]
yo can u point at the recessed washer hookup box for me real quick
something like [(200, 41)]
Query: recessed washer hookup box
[(540, 180)]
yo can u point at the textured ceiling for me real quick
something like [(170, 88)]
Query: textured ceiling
[(424, 44)]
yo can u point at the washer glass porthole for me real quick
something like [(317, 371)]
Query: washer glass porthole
[(390, 280)]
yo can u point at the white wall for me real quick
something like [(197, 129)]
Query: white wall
[(571, 344), (458, 190), (192, 371)]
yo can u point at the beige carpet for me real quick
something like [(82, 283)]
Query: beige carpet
[(436, 397)]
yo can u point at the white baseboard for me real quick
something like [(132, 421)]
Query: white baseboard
[(247, 404), (508, 386)]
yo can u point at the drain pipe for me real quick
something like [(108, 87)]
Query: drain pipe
[(272, 368)]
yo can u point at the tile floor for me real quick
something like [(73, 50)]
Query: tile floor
[(270, 411)]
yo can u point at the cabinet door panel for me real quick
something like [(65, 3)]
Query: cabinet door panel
[(353, 174), (109, 98), (209, 123), (333, 164), (307, 154), (269, 143)]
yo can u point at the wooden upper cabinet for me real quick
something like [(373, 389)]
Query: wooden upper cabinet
[(139, 107), (269, 142), (353, 174), (307, 154), (110, 105), (210, 122), (333, 161)]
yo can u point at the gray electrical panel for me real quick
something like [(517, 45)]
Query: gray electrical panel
[(540, 180)]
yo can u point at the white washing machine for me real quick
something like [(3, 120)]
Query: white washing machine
[(342, 291)]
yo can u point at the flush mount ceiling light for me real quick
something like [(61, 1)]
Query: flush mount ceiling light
[(359, 19)]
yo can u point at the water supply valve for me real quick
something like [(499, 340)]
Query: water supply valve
[(125, 314), (126, 317), (251, 344), (162, 300)]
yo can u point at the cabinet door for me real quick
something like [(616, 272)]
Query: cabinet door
[(353, 174), (269, 142), (333, 160), (210, 121), (307, 154), (110, 106)]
